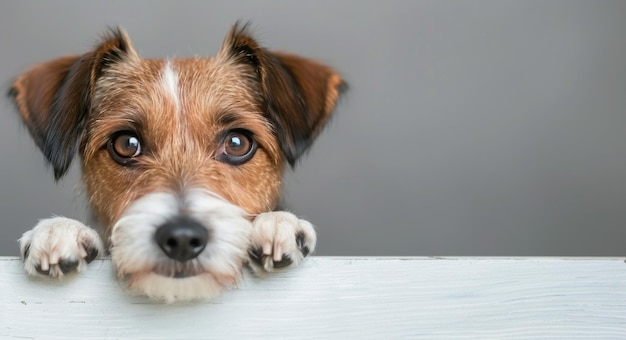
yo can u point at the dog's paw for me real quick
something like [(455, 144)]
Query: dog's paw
[(280, 240), (58, 246)]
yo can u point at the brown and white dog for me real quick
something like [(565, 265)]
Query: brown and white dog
[(182, 160)]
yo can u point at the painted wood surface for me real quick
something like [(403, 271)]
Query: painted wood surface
[(339, 298)]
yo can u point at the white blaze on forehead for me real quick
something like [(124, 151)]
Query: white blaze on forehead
[(169, 81)]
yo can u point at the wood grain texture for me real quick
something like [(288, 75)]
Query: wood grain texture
[(342, 298)]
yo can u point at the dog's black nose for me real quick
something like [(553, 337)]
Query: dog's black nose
[(182, 238)]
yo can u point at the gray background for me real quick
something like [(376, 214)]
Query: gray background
[(471, 127)]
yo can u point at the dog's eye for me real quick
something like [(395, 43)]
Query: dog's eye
[(237, 144), (237, 147), (124, 146)]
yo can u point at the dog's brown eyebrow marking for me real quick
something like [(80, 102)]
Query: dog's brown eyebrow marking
[(231, 119), (228, 118)]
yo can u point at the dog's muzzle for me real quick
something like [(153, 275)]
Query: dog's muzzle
[(182, 238)]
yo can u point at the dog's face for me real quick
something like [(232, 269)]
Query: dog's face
[(178, 150)]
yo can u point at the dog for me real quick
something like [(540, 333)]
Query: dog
[(182, 161)]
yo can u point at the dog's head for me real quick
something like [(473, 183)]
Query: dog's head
[(178, 155)]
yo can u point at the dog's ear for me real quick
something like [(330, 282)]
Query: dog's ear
[(54, 98), (300, 94)]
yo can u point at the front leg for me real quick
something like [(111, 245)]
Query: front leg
[(57, 246), (280, 240)]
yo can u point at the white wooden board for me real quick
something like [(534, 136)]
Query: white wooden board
[(339, 298)]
